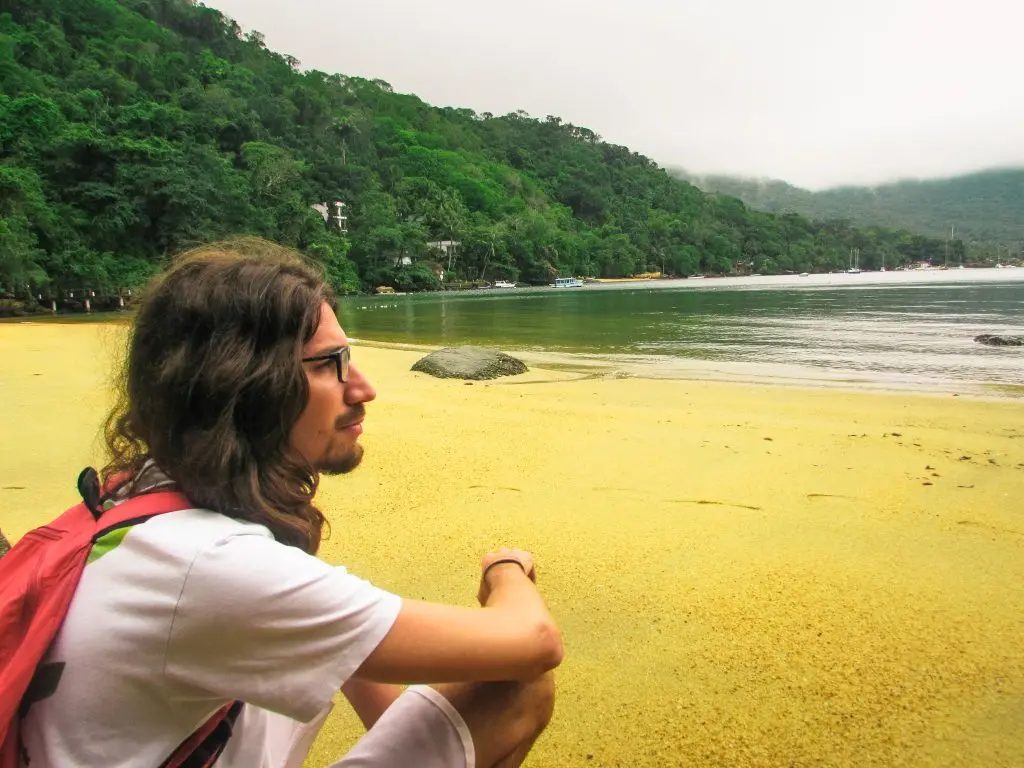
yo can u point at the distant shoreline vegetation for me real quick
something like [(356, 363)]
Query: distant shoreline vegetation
[(132, 130), (978, 212), (111, 309)]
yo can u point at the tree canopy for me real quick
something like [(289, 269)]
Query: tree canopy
[(132, 130)]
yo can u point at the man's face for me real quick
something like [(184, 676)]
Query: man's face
[(327, 432)]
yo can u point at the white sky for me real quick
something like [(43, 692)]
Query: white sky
[(815, 92)]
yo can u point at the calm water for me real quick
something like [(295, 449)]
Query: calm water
[(898, 329)]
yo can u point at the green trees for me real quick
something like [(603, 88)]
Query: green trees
[(131, 130)]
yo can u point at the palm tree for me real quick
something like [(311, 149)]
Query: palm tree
[(344, 128)]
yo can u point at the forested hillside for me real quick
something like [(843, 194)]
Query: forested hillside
[(131, 130), (985, 209)]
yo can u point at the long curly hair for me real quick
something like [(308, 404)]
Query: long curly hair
[(213, 385)]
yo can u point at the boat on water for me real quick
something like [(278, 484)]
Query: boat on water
[(567, 282), (854, 262), (503, 284)]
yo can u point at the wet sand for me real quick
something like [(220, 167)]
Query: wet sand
[(744, 575)]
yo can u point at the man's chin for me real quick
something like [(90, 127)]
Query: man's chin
[(342, 465)]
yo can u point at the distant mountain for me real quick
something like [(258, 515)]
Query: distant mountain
[(987, 208)]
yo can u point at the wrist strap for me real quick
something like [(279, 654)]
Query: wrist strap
[(499, 562)]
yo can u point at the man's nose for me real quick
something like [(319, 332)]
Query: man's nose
[(358, 388)]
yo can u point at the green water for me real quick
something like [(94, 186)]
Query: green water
[(909, 328)]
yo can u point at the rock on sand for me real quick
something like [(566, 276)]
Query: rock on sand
[(475, 363)]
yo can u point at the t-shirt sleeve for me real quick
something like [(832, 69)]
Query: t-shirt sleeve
[(273, 626)]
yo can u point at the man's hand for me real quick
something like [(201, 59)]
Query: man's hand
[(521, 558)]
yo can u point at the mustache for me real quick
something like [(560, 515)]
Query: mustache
[(354, 414)]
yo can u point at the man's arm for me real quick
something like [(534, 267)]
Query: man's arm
[(369, 699), (513, 637)]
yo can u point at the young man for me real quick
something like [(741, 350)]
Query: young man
[(238, 393)]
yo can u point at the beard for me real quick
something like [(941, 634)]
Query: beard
[(341, 465), (350, 459)]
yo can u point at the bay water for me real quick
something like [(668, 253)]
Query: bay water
[(893, 330)]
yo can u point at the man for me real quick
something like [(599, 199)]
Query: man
[(238, 392)]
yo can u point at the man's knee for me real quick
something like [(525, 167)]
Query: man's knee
[(504, 718), (541, 696), (532, 706)]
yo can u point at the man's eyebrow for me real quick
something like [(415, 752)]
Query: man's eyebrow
[(333, 349)]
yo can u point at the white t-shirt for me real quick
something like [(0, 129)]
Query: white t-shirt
[(190, 611)]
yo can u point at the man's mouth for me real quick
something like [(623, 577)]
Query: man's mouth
[(353, 424)]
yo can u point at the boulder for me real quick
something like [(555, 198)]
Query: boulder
[(475, 363), (1000, 341)]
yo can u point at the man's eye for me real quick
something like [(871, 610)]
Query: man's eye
[(328, 363)]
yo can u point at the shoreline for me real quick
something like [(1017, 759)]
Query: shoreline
[(593, 365), (667, 368)]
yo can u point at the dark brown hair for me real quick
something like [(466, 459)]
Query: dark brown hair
[(213, 385)]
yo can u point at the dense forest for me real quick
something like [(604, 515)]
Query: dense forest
[(986, 209), (131, 130)]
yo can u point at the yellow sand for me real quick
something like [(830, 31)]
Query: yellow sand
[(744, 575)]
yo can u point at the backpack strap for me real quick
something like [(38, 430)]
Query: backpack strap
[(202, 748), (138, 509), (134, 510)]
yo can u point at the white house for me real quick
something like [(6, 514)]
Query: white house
[(335, 218)]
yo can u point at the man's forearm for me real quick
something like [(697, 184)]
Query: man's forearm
[(370, 700)]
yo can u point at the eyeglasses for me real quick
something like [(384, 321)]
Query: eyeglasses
[(340, 357)]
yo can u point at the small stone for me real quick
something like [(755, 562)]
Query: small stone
[(994, 340)]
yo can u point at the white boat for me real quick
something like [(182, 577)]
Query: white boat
[(854, 262), (567, 282), (503, 284)]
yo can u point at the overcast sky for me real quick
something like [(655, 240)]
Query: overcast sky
[(816, 92)]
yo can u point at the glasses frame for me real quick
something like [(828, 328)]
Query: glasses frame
[(342, 361)]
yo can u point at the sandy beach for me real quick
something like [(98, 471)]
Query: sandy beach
[(744, 575)]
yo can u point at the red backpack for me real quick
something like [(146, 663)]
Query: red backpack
[(38, 578)]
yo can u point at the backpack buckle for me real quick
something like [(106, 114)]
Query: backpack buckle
[(89, 488)]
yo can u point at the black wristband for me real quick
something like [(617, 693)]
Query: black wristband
[(500, 562)]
